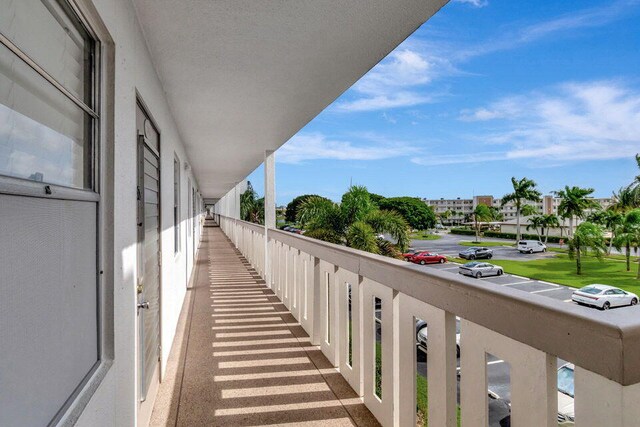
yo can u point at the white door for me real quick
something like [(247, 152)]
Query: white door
[(148, 280)]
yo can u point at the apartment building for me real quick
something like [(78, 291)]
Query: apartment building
[(459, 208)]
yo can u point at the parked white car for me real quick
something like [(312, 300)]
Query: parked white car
[(422, 334), (531, 246), (566, 408), (603, 297), (480, 269)]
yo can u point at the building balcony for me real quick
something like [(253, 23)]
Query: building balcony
[(330, 336)]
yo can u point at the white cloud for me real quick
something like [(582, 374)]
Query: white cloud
[(381, 102), (316, 146), (389, 118), (572, 122), (397, 82), (454, 159), (474, 3), (405, 77), (569, 23)]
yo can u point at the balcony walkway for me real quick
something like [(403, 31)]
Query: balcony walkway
[(240, 358)]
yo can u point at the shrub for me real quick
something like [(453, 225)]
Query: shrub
[(511, 236)]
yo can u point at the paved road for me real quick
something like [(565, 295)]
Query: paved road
[(449, 245)]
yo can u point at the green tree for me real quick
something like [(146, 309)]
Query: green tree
[(537, 222), (588, 236), (625, 199), (574, 202), (523, 190), (376, 198), (528, 210), (627, 235), (496, 213), (251, 207), (480, 214), (609, 220), (292, 208), (550, 221), (417, 213), (444, 216), (355, 222)]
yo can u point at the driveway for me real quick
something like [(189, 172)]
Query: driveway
[(551, 290), (449, 245)]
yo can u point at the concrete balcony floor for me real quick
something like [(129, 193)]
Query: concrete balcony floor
[(241, 359)]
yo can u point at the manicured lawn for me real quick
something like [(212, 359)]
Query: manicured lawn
[(423, 402), (424, 235), (618, 257), (562, 270), (486, 244)]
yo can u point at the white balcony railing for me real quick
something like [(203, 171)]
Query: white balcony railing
[(314, 279)]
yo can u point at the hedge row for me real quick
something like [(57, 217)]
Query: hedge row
[(463, 231), (500, 235)]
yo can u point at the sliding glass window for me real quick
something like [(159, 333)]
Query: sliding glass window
[(47, 96)]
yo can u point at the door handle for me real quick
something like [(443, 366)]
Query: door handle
[(144, 304)]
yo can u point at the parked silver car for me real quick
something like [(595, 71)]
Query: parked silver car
[(476, 253), (480, 269)]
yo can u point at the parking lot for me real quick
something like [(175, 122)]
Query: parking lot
[(449, 245), (498, 371), (551, 290)]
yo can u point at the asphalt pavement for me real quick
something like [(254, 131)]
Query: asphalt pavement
[(498, 370), (449, 246)]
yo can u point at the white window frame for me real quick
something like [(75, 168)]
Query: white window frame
[(100, 190)]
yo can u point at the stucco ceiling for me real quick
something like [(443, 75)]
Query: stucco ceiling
[(243, 76)]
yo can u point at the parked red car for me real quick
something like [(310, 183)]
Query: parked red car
[(409, 255), (428, 258)]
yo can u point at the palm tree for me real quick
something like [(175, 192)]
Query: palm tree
[(523, 190), (356, 222), (609, 219), (445, 215), (625, 199), (496, 214), (574, 202), (537, 222), (550, 221), (628, 236), (480, 214), (528, 210), (251, 207), (587, 236)]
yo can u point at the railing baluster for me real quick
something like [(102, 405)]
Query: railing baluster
[(441, 363), (473, 377), (328, 310), (602, 402), (349, 308), (533, 376), (380, 407)]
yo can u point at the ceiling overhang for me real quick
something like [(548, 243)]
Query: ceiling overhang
[(242, 77)]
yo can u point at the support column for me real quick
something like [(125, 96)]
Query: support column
[(269, 207), (269, 189)]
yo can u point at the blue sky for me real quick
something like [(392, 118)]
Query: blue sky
[(484, 90)]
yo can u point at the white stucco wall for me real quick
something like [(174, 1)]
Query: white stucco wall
[(115, 401), (229, 204)]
